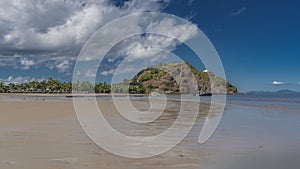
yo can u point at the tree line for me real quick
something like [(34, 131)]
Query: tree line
[(55, 86)]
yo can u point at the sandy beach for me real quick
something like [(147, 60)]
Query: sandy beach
[(45, 133)]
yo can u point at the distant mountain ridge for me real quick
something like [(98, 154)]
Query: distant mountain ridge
[(274, 92)]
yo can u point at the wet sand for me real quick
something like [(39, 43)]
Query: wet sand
[(46, 134)]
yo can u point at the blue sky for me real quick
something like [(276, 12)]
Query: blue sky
[(258, 41)]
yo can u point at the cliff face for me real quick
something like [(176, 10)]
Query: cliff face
[(179, 77)]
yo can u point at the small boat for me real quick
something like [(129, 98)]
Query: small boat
[(74, 96), (203, 94)]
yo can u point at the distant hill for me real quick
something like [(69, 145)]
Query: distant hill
[(173, 78), (274, 92)]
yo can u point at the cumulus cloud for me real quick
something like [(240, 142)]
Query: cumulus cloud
[(143, 47), (278, 83), (44, 32), (56, 23), (298, 83), (51, 33), (153, 46)]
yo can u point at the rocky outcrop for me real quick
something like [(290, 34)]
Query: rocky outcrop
[(179, 77)]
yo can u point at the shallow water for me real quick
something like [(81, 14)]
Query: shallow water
[(252, 126)]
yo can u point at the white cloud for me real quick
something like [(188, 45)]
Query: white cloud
[(278, 83), (106, 73), (47, 30), (171, 28), (298, 83), (19, 79), (52, 32), (63, 66), (26, 63), (147, 50), (90, 74), (239, 11), (138, 51), (152, 45), (148, 47)]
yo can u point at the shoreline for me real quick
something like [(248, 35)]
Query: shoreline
[(93, 94), (70, 94)]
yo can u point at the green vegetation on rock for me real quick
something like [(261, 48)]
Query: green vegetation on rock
[(174, 78)]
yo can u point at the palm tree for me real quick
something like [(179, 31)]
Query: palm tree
[(66, 87), (2, 88), (107, 88), (43, 85), (53, 85), (86, 87), (12, 87)]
